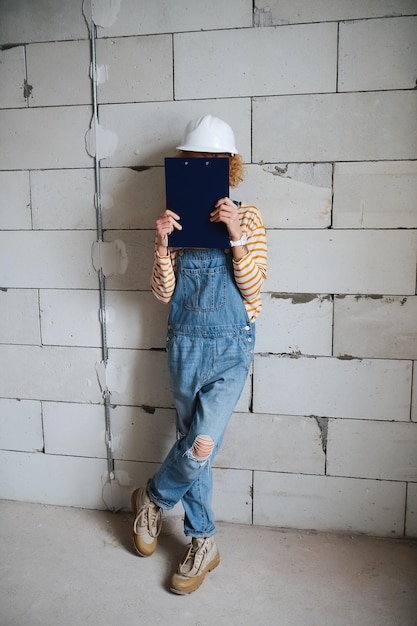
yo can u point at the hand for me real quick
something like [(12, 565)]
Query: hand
[(226, 211), (165, 225)]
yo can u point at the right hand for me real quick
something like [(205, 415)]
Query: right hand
[(165, 225)]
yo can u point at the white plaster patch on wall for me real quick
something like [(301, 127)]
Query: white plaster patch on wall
[(100, 142), (102, 12), (102, 74), (112, 376), (110, 256)]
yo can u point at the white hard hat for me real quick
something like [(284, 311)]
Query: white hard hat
[(208, 134)]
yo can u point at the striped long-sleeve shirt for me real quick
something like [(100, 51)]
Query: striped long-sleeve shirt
[(249, 271)]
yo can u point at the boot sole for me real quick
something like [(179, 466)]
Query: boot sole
[(214, 563)]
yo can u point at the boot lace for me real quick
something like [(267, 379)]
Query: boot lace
[(149, 516), (194, 557)]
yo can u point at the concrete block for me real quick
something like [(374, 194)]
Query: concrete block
[(139, 245), (273, 443), (380, 328), (342, 261), (326, 503), (377, 54), (20, 425), (135, 319), (137, 69), (12, 78), (44, 138), (411, 512), (15, 192), (63, 199), (363, 389), (335, 127), (232, 496), (268, 12), (50, 373), (414, 394), (50, 20), (59, 73), (144, 434), (64, 423), (47, 259), (70, 317), (139, 378), (52, 479), (295, 324), (302, 69), (19, 313), (365, 449), (375, 195), (142, 18), (132, 199), (149, 132), (289, 195)]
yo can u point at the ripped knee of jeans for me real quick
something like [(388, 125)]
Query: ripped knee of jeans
[(201, 449)]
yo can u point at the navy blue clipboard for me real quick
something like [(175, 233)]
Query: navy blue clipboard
[(192, 187)]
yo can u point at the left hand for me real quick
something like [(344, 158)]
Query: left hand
[(226, 211)]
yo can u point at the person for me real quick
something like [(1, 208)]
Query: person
[(215, 299)]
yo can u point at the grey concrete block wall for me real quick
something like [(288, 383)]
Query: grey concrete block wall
[(322, 98)]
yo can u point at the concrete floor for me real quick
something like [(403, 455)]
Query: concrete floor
[(72, 567)]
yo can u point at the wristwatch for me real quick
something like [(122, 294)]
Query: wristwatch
[(240, 242)]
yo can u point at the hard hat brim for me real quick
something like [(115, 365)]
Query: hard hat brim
[(191, 148)]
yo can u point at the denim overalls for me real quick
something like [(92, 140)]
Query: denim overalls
[(210, 347)]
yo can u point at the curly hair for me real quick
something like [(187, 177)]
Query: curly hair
[(237, 170), (236, 166)]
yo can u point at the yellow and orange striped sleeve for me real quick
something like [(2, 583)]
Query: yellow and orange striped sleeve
[(163, 276), (250, 271)]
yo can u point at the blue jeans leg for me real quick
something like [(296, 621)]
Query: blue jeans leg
[(207, 378)]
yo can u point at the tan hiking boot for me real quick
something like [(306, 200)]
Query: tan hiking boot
[(201, 557), (147, 523)]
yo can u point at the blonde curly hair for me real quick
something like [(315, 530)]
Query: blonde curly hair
[(237, 170)]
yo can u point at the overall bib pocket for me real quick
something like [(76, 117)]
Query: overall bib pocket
[(204, 289)]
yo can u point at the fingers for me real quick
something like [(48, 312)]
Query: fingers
[(166, 223), (171, 214), (226, 202), (224, 211)]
